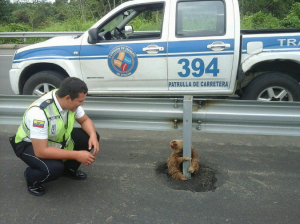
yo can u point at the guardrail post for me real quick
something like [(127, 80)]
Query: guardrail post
[(187, 133)]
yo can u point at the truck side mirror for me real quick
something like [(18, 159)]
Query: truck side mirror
[(93, 36), (128, 29)]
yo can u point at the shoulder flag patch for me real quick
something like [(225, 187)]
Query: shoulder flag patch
[(38, 124)]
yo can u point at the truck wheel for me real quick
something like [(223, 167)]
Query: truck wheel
[(273, 87), (42, 82)]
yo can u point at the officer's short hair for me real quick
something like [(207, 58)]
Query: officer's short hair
[(72, 86)]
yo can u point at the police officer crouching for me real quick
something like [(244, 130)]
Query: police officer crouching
[(47, 142)]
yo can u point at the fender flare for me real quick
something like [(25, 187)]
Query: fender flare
[(269, 56)]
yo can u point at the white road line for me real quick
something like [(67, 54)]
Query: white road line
[(6, 55)]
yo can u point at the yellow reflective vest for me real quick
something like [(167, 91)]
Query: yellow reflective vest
[(59, 134)]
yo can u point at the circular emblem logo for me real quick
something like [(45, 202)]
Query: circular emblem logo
[(122, 61)]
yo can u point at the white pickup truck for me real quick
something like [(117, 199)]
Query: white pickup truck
[(167, 48)]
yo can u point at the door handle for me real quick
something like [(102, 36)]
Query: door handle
[(218, 46), (153, 49)]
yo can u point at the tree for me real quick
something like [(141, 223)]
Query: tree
[(5, 10), (277, 8), (292, 20)]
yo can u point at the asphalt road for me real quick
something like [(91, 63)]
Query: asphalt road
[(6, 56), (257, 182)]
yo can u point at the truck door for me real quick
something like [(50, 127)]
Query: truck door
[(201, 48), (131, 52)]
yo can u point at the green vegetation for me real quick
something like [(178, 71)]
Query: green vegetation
[(261, 20), (79, 15), (270, 14)]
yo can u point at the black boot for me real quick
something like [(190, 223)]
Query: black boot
[(37, 190), (75, 174)]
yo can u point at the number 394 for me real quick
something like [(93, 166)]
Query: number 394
[(198, 68)]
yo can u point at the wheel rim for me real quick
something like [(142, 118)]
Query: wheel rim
[(275, 93), (43, 88)]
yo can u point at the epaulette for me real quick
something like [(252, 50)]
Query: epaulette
[(46, 103)]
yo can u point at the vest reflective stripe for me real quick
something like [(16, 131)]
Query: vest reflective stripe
[(58, 132), (51, 112), (23, 125), (54, 144)]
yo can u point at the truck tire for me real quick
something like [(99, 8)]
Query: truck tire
[(273, 87), (42, 82)]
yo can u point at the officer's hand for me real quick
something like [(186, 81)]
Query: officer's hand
[(94, 144), (85, 157)]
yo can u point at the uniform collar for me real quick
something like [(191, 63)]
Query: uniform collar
[(56, 102)]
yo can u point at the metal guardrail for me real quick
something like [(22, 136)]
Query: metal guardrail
[(38, 34), (166, 114), (172, 114)]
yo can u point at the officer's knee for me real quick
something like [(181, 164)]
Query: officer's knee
[(56, 170)]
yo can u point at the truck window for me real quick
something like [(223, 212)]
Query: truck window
[(200, 18), (146, 21), (149, 21)]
